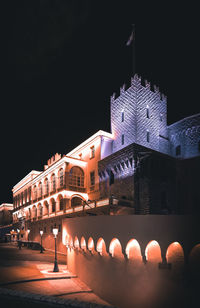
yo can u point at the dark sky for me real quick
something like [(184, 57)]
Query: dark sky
[(64, 59)]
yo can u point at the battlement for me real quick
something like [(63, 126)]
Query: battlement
[(136, 80)]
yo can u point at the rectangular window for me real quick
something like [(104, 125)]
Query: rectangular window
[(147, 112), (92, 152), (161, 117), (148, 136), (122, 139), (92, 178), (59, 228), (199, 146), (122, 116)]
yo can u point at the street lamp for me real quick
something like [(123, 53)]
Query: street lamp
[(56, 269), (18, 234), (41, 233)]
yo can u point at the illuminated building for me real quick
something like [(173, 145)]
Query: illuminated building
[(135, 166)]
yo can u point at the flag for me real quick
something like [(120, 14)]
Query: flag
[(132, 36), (130, 39)]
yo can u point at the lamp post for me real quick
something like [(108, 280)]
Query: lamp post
[(56, 269), (41, 233)]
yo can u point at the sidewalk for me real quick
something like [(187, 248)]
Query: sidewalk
[(29, 271)]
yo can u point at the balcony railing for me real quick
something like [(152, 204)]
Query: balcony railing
[(69, 182)]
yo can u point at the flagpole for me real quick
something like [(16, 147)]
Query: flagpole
[(134, 51)]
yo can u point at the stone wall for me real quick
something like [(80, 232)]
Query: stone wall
[(185, 133), (137, 260)]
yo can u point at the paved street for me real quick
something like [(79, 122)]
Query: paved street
[(30, 272)]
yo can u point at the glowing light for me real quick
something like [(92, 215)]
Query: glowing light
[(83, 243), (90, 244), (175, 253), (153, 252), (55, 232), (100, 245), (76, 242), (133, 250), (115, 248)]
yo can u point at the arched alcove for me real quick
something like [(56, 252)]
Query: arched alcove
[(83, 243), (101, 246), (194, 260), (133, 250), (76, 242), (153, 252), (115, 248), (175, 254), (91, 244)]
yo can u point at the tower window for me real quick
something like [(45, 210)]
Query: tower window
[(122, 116), (161, 117), (92, 152), (148, 136), (147, 111), (178, 150), (122, 139)]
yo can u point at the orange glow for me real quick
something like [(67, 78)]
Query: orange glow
[(90, 244), (115, 248), (83, 243), (133, 250), (101, 246), (76, 242), (153, 252), (175, 253)]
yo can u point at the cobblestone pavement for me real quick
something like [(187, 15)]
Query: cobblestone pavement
[(27, 276)]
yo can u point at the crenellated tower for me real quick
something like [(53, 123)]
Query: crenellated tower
[(139, 115)]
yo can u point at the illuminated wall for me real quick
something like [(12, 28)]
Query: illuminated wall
[(139, 115), (136, 261)]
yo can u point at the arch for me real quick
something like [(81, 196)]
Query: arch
[(61, 177), (115, 248), (46, 186), (53, 205), (53, 182), (60, 202), (76, 201), (91, 244), (39, 210), (40, 190), (34, 192), (133, 250), (175, 254), (101, 246), (45, 208), (76, 242), (153, 252), (194, 259), (83, 243)]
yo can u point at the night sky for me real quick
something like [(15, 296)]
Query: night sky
[(64, 59)]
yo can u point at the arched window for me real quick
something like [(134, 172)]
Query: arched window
[(35, 192), (40, 190), (76, 177), (53, 182), (46, 185), (61, 177)]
